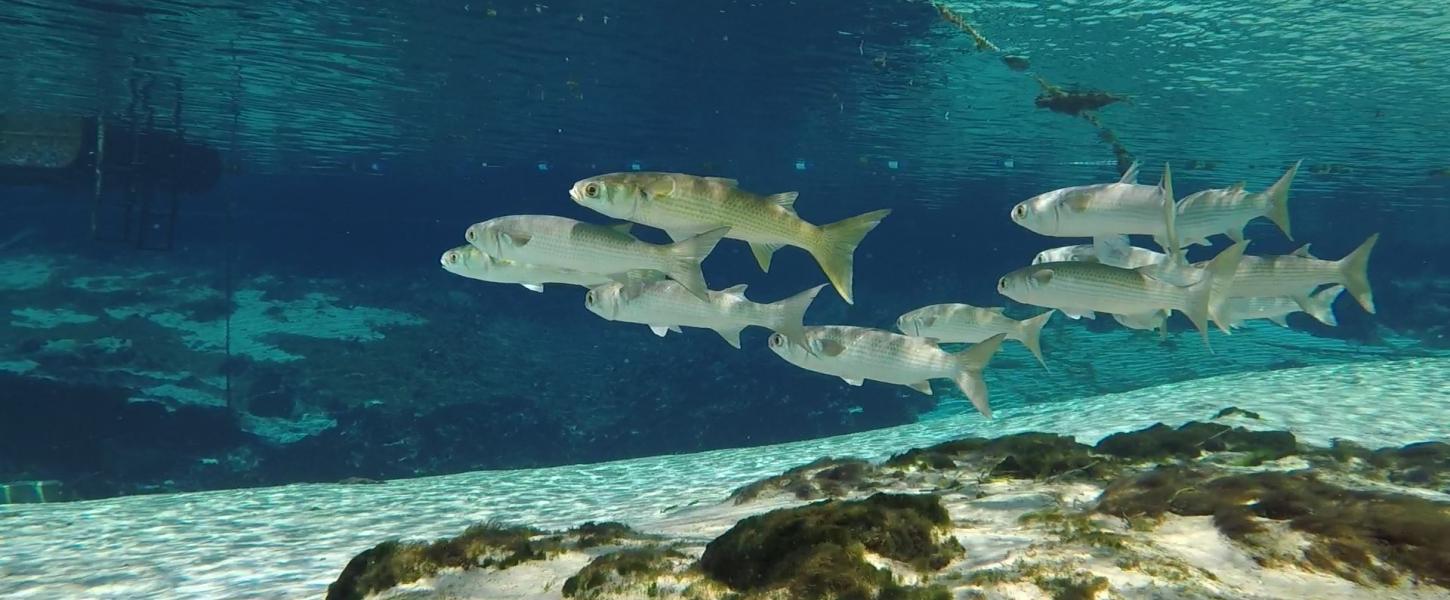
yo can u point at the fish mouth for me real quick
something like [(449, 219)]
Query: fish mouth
[(574, 194)]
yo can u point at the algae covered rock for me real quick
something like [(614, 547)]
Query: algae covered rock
[(1031, 455), (1364, 536), (1194, 439), (823, 478), (818, 550), (392, 563), (623, 569)]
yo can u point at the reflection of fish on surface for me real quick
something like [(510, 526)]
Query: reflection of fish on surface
[(856, 354)]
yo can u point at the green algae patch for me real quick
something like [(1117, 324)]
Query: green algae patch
[(823, 478), (624, 570), (592, 534), (1424, 464), (1194, 439), (1031, 455), (393, 563), (818, 550), (1362, 536)]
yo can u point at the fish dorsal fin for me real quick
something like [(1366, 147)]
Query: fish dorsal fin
[(1302, 252), (622, 227), (724, 181), (533, 287), (735, 290), (784, 200), (921, 386), (1237, 187), (1131, 175)]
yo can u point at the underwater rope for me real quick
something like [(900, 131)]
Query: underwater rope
[(1074, 102)]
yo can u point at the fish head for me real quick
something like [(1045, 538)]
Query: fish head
[(1027, 284), (604, 300), (617, 195), (916, 321), (486, 236), (792, 353), (457, 260), (1039, 213)]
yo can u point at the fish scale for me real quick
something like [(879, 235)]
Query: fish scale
[(1258, 276), (1109, 284)]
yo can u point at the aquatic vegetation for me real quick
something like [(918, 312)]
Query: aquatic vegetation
[(1195, 438), (1031, 455), (623, 569), (1424, 464), (1074, 528), (593, 534), (817, 550), (1363, 536), (825, 477), (392, 563)]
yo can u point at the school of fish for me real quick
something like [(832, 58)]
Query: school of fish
[(662, 286)]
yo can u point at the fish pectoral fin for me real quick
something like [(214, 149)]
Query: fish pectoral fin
[(921, 386), (661, 187), (763, 252), (1112, 250), (661, 330), (1078, 202), (533, 287), (827, 347), (732, 336), (517, 239), (855, 382)]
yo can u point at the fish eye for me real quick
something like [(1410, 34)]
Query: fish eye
[(452, 258), (776, 340), (1002, 284), (471, 235), (1019, 211), (589, 298), (591, 190)]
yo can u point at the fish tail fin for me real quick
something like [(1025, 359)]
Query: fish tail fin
[(1276, 200), (791, 315), (968, 375), (836, 249), (1354, 273), (1030, 333), (686, 256), (1321, 305)]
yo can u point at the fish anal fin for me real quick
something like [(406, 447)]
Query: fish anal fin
[(921, 386)]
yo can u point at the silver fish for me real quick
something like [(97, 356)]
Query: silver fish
[(1292, 275), (664, 305), (1318, 305), (1123, 207), (964, 323), (1084, 287), (470, 262), (856, 354), (1226, 211), (561, 242)]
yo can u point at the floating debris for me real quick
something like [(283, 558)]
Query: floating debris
[(1075, 101)]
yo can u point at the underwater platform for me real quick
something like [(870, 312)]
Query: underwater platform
[(293, 541)]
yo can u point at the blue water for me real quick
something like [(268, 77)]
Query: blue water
[(359, 140)]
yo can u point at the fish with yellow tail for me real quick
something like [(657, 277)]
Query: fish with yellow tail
[(1100, 210), (685, 205), (1084, 287), (856, 354), (470, 262), (665, 305), (1294, 274), (1227, 210), (560, 242), (964, 323)]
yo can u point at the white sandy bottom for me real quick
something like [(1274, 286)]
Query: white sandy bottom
[(291, 541)]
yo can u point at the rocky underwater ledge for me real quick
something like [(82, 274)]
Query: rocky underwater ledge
[(1204, 510)]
